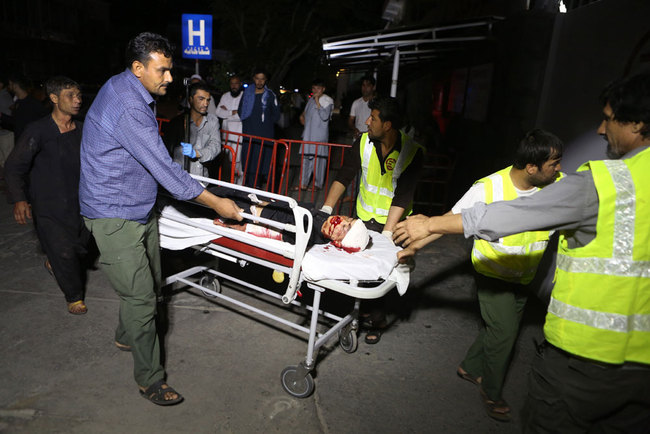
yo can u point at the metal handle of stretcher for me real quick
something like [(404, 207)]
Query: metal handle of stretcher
[(302, 229)]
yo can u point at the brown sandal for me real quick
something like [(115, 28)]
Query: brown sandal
[(77, 308), (48, 267), (467, 376), (498, 410), (123, 347)]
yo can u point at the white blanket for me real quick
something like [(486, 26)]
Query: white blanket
[(377, 262), (322, 261), (178, 236)]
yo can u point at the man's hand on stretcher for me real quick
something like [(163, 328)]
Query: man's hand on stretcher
[(226, 208)]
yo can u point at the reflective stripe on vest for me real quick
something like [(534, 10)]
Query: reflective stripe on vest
[(374, 201), (600, 307), (601, 320), (513, 258)]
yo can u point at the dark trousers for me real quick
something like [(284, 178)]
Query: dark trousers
[(66, 249), (258, 155), (567, 394), (502, 306)]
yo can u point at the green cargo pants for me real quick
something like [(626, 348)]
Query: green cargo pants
[(502, 306), (130, 257)]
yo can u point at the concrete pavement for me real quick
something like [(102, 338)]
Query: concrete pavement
[(60, 373)]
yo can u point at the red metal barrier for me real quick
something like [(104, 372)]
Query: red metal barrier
[(161, 121), (232, 164), (278, 169), (253, 150), (334, 162)]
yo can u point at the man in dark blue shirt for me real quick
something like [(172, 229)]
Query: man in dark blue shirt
[(123, 159), (258, 111)]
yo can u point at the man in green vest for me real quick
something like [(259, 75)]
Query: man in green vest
[(391, 165), (505, 266), (592, 374)]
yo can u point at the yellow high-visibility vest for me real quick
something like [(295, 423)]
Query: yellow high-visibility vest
[(513, 258), (376, 191), (600, 305)]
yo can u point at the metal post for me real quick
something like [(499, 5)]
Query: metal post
[(393, 85), (196, 67)]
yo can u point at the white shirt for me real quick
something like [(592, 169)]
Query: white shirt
[(230, 122), (361, 113), (476, 194)]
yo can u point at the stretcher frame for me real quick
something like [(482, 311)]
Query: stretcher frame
[(297, 380)]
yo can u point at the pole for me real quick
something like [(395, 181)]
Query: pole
[(393, 85), (196, 67), (186, 124)]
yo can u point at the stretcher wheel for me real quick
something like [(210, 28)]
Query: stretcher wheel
[(294, 384), (212, 283), (348, 339)]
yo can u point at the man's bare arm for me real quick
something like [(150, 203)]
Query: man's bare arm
[(395, 213), (336, 191), (418, 227), (224, 207)]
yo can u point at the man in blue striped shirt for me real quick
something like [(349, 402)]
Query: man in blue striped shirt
[(123, 159)]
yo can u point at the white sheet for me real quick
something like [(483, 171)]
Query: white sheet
[(178, 236), (378, 262), (322, 261)]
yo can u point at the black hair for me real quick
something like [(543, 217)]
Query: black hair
[(54, 85), (630, 100), (318, 82), (142, 46), (389, 110), (201, 85), (20, 80), (259, 70), (369, 78), (537, 147)]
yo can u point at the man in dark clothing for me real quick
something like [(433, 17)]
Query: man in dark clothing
[(26, 109), (259, 111), (391, 165), (42, 175)]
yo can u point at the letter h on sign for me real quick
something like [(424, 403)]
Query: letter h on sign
[(197, 28), (200, 33)]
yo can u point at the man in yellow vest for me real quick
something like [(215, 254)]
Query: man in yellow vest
[(504, 267), (391, 165), (593, 372)]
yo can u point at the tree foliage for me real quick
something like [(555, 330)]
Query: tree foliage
[(281, 34)]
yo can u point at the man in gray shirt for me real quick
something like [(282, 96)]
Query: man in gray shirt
[(204, 142)]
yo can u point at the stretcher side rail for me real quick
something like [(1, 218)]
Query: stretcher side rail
[(302, 229)]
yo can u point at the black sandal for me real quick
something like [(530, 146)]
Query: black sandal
[(156, 394), (373, 336)]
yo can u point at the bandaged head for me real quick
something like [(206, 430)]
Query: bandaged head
[(357, 237)]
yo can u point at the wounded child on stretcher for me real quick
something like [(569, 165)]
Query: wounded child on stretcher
[(342, 231)]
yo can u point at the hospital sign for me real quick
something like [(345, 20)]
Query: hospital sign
[(197, 36)]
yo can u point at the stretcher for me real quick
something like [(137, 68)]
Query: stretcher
[(302, 266)]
